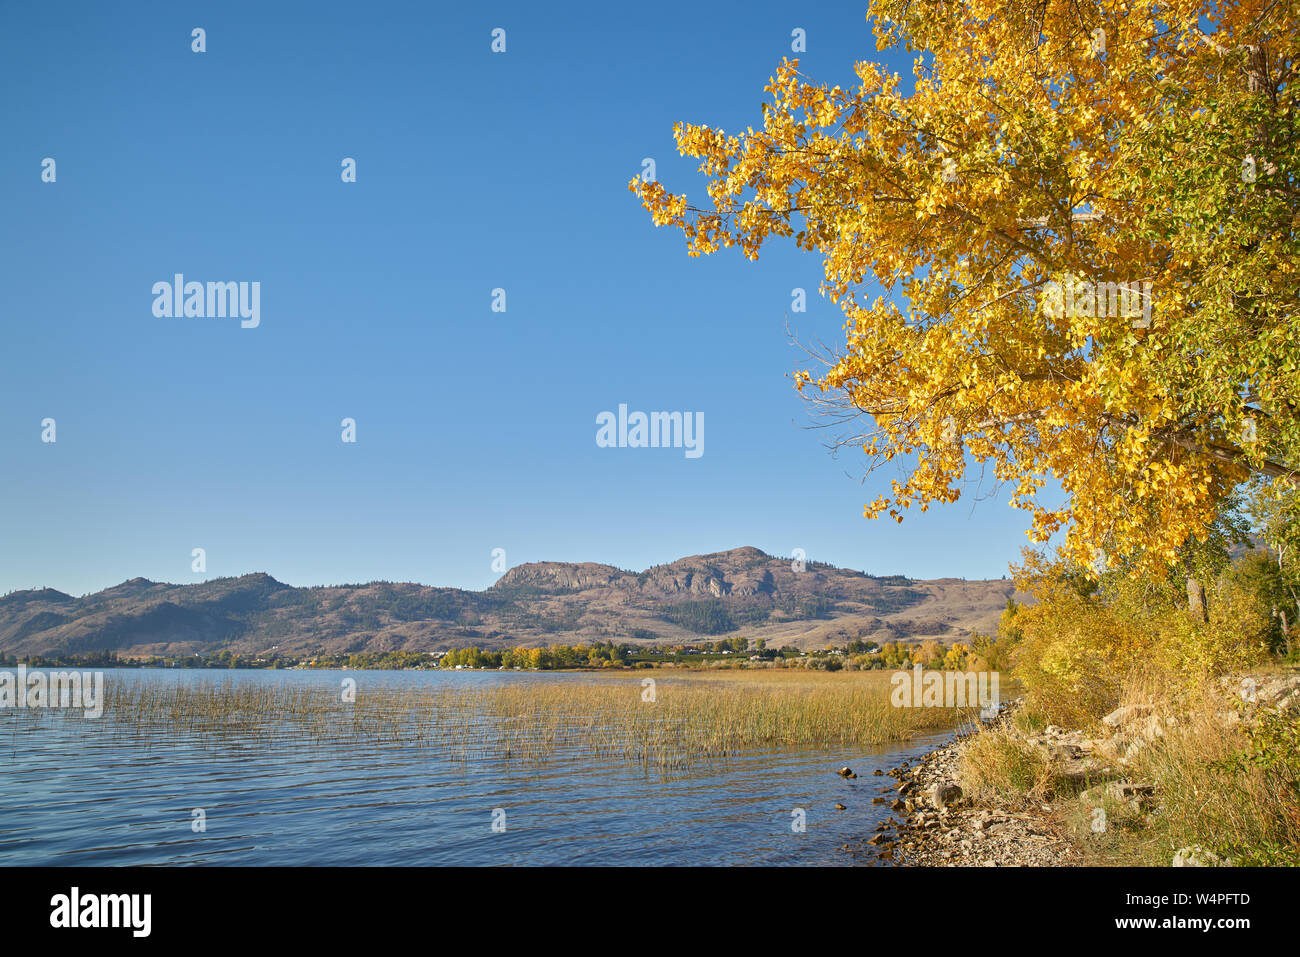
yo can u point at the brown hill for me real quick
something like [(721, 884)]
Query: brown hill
[(742, 591)]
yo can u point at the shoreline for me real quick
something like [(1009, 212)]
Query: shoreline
[(935, 824)]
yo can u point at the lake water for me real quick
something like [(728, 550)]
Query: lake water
[(72, 794)]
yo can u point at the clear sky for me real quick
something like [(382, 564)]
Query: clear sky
[(476, 170)]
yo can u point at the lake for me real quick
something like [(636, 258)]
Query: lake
[(76, 793)]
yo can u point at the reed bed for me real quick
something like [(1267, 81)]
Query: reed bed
[(691, 717)]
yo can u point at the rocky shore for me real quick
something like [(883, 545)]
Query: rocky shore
[(937, 824), (940, 826)]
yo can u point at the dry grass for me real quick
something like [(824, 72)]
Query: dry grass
[(1241, 808), (998, 767), (700, 715), (1224, 787)]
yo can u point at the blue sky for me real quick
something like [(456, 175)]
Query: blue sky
[(475, 429)]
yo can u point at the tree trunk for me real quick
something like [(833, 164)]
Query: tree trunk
[(1297, 608), (1196, 603)]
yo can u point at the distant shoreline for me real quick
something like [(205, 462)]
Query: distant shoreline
[(600, 656)]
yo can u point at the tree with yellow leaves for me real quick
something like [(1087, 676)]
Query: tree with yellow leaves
[(1083, 222)]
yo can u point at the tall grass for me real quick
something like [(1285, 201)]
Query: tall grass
[(998, 766), (690, 717), (1231, 788)]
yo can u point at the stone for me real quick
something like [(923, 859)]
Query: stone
[(1136, 797), (1197, 856), (1082, 770), (1122, 716), (1067, 752), (941, 794), (1128, 791), (1134, 749)]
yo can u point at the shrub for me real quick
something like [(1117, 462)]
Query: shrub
[(1073, 652), (998, 766), (1073, 648)]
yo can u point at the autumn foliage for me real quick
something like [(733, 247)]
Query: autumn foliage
[(1039, 146)]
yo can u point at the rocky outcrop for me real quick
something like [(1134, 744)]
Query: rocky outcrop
[(561, 576), (1263, 691), (749, 583)]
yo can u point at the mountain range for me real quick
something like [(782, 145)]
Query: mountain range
[(704, 597)]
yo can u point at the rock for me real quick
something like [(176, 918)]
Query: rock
[(877, 772), (1136, 797), (941, 795), (898, 806), (1197, 856), (846, 772), (1122, 716), (946, 829), (1134, 749), (878, 800), (1274, 691), (1112, 749), (1082, 770), (1067, 752), (840, 807), (1128, 791)]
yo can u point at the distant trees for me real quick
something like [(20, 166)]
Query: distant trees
[(700, 617), (550, 658), (731, 644)]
